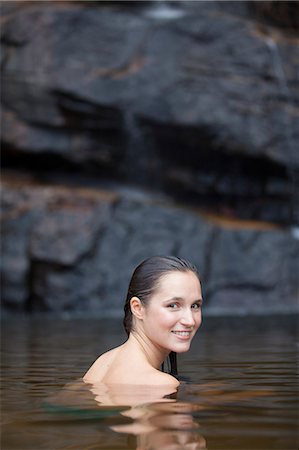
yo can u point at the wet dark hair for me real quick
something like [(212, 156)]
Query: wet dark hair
[(144, 283)]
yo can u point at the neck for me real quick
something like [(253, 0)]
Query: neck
[(154, 354)]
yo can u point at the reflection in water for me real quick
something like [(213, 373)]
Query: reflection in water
[(163, 430), (153, 413), (157, 420), (171, 440)]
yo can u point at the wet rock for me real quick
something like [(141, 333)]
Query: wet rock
[(140, 230), (281, 14), (48, 231), (67, 231), (18, 217), (253, 272), (121, 92), (68, 249)]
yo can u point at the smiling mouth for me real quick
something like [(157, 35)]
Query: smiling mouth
[(182, 333)]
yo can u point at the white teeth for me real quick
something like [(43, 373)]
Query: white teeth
[(182, 333)]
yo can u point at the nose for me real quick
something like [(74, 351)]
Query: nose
[(187, 318)]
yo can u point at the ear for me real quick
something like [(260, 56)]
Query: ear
[(136, 307)]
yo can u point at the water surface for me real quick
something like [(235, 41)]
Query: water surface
[(238, 392)]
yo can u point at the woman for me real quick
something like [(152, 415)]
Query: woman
[(162, 315)]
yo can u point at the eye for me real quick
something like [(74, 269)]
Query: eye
[(173, 306), (196, 305)]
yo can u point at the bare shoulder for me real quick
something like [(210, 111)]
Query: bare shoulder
[(161, 378), (100, 366)]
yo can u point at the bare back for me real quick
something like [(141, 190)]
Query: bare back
[(122, 366), (101, 366)]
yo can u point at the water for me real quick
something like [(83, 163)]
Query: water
[(163, 10), (239, 389)]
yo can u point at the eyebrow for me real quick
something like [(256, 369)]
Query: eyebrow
[(175, 299)]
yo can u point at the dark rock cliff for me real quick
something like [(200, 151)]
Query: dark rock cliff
[(194, 103), (71, 249)]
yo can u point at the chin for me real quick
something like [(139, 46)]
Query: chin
[(181, 348)]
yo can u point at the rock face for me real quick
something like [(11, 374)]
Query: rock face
[(191, 106), (75, 249), (195, 98)]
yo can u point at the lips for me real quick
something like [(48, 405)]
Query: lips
[(182, 334)]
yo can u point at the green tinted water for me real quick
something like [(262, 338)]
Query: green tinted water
[(239, 389)]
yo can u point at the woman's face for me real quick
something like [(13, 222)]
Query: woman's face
[(173, 314)]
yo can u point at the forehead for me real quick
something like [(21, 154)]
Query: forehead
[(179, 284)]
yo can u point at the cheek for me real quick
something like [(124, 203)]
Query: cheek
[(159, 318), (198, 320)]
